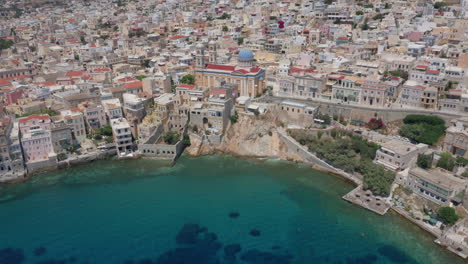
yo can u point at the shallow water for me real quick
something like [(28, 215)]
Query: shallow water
[(215, 209)]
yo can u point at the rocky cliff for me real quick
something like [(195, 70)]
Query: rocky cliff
[(254, 136)]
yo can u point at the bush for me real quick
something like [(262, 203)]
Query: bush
[(378, 17), (188, 79), (326, 118), (350, 153), (423, 129), (424, 161), (461, 161), (359, 13), (171, 137), (375, 123), (438, 5), (234, 118), (447, 215), (446, 161), (376, 178), (319, 134), (186, 141)]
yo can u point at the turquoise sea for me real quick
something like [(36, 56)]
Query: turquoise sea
[(215, 209)]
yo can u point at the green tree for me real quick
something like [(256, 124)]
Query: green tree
[(359, 13), (378, 17), (225, 28), (234, 118), (186, 141), (140, 77), (447, 215), (240, 41), (376, 178), (171, 137), (446, 161), (5, 44), (423, 128), (188, 79), (83, 40), (319, 134), (424, 161), (438, 5), (448, 86), (146, 63)]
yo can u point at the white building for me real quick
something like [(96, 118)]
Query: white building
[(122, 136)]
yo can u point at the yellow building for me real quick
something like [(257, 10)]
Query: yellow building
[(250, 78)]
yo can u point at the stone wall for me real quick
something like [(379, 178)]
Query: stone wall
[(294, 148), (41, 166), (387, 115), (86, 158)]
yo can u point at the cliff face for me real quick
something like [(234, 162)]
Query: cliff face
[(254, 136)]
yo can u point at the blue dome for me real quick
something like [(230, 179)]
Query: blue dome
[(246, 54)]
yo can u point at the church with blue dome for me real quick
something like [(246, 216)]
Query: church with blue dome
[(249, 77)]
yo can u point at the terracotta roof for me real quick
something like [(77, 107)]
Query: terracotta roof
[(47, 83), (4, 82), (254, 70), (75, 73), (433, 71), (188, 86), (41, 117), (127, 79), (102, 70), (220, 67), (176, 37), (133, 85)]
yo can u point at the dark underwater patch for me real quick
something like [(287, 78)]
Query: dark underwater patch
[(255, 232), (394, 254), (234, 214), (11, 255), (232, 249), (255, 256), (39, 251), (367, 259)]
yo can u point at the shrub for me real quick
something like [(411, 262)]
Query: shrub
[(319, 134), (424, 161), (375, 123), (171, 137), (186, 141), (461, 161), (447, 215), (376, 178), (446, 161), (423, 129), (234, 118), (188, 79)]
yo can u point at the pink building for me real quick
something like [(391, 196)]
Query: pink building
[(36, 138), (34, 122), (11, 97), (373, 92), (94, 115)]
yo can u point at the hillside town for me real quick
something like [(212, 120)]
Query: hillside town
[(385, 80)]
